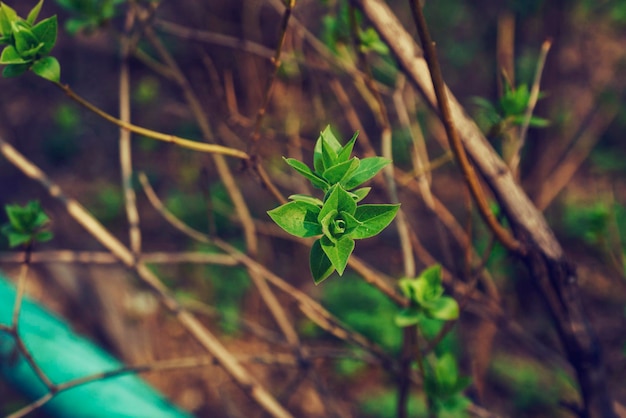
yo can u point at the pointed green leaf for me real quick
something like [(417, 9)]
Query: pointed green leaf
[(447, 372), (48, 68), (43, 236), (351, 223), (408, 317), (373, 218), (18, 238), (304, 169), (444, 308), (46, 32), (346, 151), (326, 223), (337, 200), (34, 13), (11, 56), (360, 194), (341, 171), (368, 168), (306, 199), (25, 39), (16, 215), (329, 155), (338, 252), (7, 17), (331, 144), (432, 275), (13, 70), (297, 218), (320, 264)]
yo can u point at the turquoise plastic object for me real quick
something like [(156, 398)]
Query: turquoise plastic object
[(63, 356)]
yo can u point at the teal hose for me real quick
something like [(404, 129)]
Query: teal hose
[(63, 356)]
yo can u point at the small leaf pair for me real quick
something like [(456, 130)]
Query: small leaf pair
[(427, 300), (28, 44), (337, 218), (26, 224)]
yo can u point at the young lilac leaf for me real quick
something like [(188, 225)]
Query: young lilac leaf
[(426, 292), (34, 13), (7, 16), (44, 236), (368, 168), (14, 70), (11, 56), (328, 141), (444, 308), (337, 199), (432, 275), (48, 68), (304, 169), (297, 218), (408, 317), (329, 155), (406, 287), (306, 199), (346, 151), (338, 252), (328, 225), (447, 373), (18, 238), (341, 171), (373, 218), (360, 194), (46, 32), (320, 264), (25, 39)]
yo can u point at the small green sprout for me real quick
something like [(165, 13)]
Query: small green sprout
[(26, 224), (28, 45), (338, 218), (427, 300)]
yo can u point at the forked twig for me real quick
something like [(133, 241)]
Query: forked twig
[(430, 55)]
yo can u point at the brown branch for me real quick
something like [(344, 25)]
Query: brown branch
[(430, 55), (545, 256)]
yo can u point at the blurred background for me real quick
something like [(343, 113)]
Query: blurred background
[(572, 166)]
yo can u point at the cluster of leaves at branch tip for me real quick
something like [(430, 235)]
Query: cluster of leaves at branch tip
[(28, 44), (89, 14), (337, 218), (426, 297), (26, 224), (510, 110)]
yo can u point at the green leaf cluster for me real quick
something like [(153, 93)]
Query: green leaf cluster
[(26, 224), (337, 218), (90, 14), (427, 300), (336, 32), (28, 44), (444, 387), (509, 110)]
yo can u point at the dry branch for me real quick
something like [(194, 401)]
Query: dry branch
[(555, 276)]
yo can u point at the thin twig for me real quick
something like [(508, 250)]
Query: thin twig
[(430, 55), (126, 164), (532, 102), (182, 142)]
